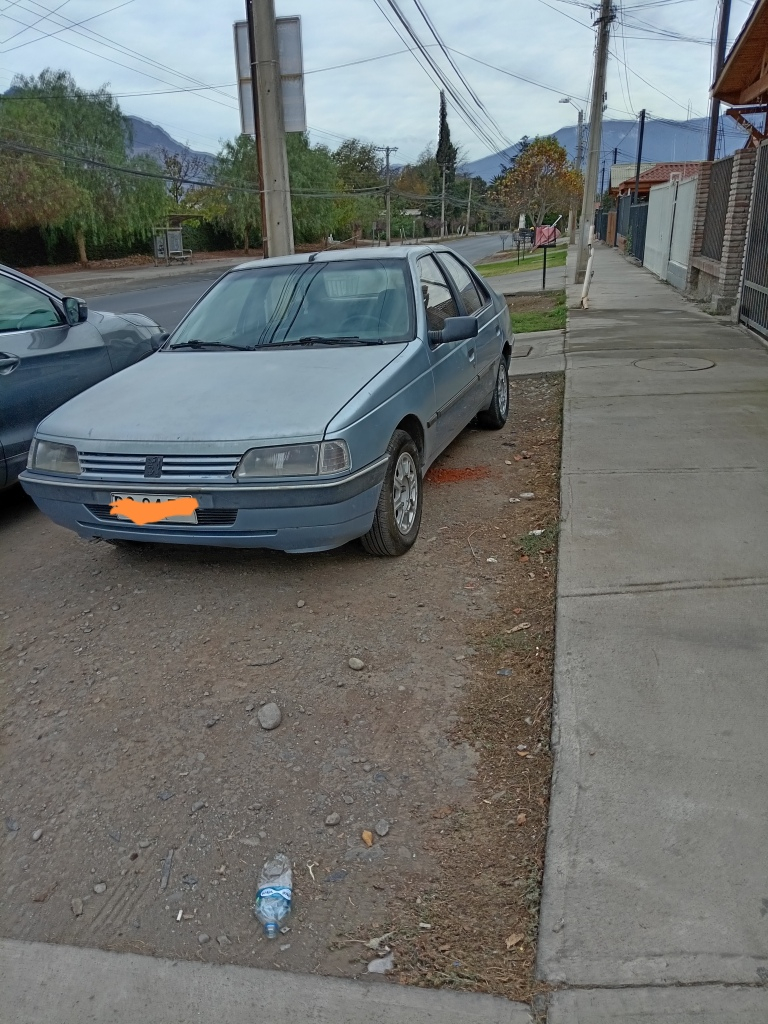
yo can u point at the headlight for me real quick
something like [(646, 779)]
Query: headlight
[(54, 458), (294, 460)]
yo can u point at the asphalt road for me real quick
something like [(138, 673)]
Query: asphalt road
[(167, 304)]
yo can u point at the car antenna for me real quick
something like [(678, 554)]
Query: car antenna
[(313, 256)]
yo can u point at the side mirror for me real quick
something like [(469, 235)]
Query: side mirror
[(76, 311), (158, 340), (456, 328)]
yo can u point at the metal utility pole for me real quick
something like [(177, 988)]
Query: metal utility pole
[(722, 42), (442, 208), (606, 16), (274, 184), (469, 204), (388, 150), (602, 180), (579, 155), (640, 135)]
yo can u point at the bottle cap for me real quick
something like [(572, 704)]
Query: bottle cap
[(270, 929)]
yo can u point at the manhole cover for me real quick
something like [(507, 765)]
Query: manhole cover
[(673, 364)]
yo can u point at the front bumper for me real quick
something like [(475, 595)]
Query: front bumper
[(296, 517)]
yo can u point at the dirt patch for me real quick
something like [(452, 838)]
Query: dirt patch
[(130, 684), (438, 474), (536, 302)]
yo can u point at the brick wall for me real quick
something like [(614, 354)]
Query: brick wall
[(734, 242), (699, 215)]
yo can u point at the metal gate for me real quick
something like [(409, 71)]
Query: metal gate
[(622, 215), (638, 221), (753, 309), (717, 208)]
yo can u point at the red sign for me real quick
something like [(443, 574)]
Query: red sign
[(546, 235)]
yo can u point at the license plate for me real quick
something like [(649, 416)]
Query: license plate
[(148, 499)]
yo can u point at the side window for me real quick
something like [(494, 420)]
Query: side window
[(438, 300), (23, 308), (472, 298)]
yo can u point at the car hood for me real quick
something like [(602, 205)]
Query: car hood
[(222, 396)]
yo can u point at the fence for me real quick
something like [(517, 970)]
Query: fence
[(717, 209), (601, 225), (622, 215), (669, 230), (638, 222), (753, 309)]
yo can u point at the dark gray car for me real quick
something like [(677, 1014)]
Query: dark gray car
[(51, 349)]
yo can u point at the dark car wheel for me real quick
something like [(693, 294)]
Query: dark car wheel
[(495, 416), (398, 514)]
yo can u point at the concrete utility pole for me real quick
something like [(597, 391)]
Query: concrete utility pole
[(442, 208), (722, 42), (640, 135), (270, 130), (469, 204), (606, 16), (388, 150)]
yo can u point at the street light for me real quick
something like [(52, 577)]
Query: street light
[(579, 133)]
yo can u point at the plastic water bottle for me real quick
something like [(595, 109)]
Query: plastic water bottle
[(273, 897)]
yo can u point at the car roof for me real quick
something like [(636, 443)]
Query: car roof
[(397, 252), (17, 274)]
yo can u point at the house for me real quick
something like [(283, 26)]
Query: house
[(656, 174), (728, 266)]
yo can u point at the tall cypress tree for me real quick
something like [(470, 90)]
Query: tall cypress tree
[(446, 152)]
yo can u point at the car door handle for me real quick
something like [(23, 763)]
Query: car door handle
[(8, 363), (472, 354)]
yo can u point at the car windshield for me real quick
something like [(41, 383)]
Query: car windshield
[(347, 302)]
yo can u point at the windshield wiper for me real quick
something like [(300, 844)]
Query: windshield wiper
[(315, 339), (195, 343)]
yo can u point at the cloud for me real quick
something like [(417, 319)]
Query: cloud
[(388, 101)]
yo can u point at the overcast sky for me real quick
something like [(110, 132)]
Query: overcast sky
[(162, 46)]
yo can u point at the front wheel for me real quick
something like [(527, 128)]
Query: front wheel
[(398, 513), (495, 416)]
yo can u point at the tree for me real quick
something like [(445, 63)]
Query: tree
[(541, 181), (446, 152), (85, 135), (311, 169), (34, 190), (181, 167), (232, 201), (360, 165)]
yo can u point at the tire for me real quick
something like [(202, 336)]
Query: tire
[(495, 416), (396, 524)]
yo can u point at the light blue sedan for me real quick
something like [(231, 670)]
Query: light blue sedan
[(297, 407)]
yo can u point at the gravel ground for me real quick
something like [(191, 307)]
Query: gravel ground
[(140, 792)]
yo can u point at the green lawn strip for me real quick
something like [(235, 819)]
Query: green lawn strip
[(553, 319), (554, 259)]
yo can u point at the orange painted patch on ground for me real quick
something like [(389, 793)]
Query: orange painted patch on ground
[(143, 512), (440, 475)]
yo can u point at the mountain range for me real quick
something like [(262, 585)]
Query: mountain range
[(663, 140), (150, 139)]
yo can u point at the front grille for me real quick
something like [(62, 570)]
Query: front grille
[(205, 516), (111, 466)]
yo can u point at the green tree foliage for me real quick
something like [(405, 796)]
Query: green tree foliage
[(360, 165), (446, 152), (86, 130), (232, 201), (311, 169), (34, 190)]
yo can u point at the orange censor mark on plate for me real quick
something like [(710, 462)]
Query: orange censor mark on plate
[(141, 512)]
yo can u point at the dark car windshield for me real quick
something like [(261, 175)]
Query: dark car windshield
[(350, 301)]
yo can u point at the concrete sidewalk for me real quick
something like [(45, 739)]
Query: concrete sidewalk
[(50, 984), (656, 857)]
